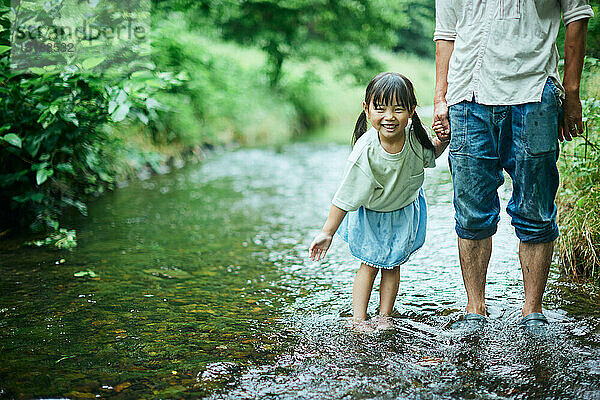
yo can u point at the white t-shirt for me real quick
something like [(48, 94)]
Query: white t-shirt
[(380, 181)]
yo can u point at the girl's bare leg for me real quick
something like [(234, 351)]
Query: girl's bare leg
[(388, 290), (361, 291)]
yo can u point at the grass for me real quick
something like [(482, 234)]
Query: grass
[(579, 220), (578, 245)]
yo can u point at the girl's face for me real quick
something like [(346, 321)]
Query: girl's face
[(388, 119)]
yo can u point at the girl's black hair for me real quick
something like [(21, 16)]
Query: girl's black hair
[(383, 89)]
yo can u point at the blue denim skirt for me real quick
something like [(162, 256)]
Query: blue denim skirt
[(385, 239)]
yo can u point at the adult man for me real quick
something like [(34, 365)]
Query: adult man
[(499, 96)]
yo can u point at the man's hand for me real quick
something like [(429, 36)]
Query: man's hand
[(572, 123), (575, 37), (319, 246), (441, 124)]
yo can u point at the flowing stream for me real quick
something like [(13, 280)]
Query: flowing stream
[(196, 284)]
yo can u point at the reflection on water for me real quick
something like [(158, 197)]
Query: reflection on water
[(204, 289)]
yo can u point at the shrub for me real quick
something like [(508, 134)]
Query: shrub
[(50, 150), (579, 196)]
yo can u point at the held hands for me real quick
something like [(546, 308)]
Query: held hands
[(319, 246), (442, 133), (441, 124)]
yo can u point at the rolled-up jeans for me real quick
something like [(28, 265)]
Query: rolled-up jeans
[(519, 139)]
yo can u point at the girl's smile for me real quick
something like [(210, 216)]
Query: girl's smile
[(389, 127)]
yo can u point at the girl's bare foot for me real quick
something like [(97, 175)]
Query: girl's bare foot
[(360, 325), (383, 322)]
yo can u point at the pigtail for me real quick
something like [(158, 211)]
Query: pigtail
[(360, 128), (421, 133)]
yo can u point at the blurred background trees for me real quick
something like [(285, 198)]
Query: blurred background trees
[(342, 30)]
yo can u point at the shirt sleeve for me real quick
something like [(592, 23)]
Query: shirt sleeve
[(574, 10), (428, 154), (355, 190), (445, 20), (428, 158)]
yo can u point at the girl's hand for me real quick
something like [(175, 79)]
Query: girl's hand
[(442, 132), (319, 246)]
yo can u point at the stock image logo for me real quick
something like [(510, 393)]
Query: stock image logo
[(86, 34)]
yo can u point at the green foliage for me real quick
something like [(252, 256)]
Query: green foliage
[(590, 79), (593, 39), (60, 239), (417, 36), (88, 272), (53, 148), (222, 95), (310, 111), (51, 152), (297, 29), (72, 30)]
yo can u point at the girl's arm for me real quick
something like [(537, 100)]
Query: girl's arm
[(322, 241), (439, 146)]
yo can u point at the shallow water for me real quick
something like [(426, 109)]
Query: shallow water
[(204, 289)]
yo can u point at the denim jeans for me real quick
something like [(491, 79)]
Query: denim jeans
[(521, 140)]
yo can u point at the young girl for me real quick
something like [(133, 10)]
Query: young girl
[(379, 207)]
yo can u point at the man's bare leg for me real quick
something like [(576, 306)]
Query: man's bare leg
[(474, 259), (535, 264)]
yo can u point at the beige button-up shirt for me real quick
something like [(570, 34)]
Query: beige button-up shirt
[(504, 50)]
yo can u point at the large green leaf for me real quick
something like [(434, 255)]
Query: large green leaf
[(119, 100), (12, 139), (65, 167), (71, 117), (37, 70), (43, 174), (91, 62), (121, 112)]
